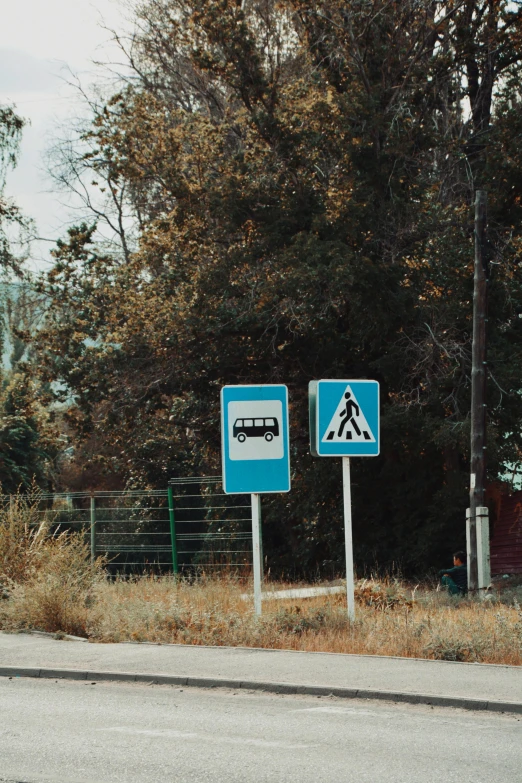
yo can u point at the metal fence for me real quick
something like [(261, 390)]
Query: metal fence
[(190, 526), (212, 529)]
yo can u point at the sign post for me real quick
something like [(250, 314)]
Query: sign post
[(255, 450), (344, 422), (257, 556), (348, 543)]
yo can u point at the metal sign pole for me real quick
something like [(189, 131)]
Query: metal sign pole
[(93, 529), (347, 500), (345, 422), (256, 551)]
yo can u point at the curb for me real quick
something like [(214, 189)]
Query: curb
[(269, 687)]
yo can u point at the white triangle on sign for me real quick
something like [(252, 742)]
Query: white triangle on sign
[(348, 424)]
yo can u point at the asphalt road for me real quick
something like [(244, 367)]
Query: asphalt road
[(76, 732)]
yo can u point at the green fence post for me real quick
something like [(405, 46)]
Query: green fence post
[(93, 529), (173, 542)]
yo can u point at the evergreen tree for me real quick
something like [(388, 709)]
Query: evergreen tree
[(21, 458)]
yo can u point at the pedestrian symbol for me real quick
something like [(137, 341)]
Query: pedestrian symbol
[(344, 418), (348, 422)]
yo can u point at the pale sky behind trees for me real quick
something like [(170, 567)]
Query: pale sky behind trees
[(41, 43)]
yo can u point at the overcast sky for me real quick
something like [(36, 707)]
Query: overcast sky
[(39, 41)]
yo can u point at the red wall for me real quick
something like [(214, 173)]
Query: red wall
[(506, 538)]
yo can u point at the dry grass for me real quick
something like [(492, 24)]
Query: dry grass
[(50, 585), (46, 580), (212, 612)]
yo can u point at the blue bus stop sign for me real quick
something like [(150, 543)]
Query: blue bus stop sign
[(255, 439), (344, 418)]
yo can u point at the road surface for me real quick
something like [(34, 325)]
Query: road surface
[(77, 732)]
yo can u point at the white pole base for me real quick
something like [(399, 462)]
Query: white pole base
[(483, 551)]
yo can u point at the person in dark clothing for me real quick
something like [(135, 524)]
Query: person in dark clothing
[(456, 578)]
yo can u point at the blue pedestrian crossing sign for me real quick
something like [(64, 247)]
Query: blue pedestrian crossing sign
[(255, 443), (344, 418)]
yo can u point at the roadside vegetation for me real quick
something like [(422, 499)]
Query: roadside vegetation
[(49, 584), (45, 579)]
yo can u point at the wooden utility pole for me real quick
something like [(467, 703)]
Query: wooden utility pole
[(478, 385)]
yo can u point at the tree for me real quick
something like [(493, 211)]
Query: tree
[(11, 126), (28, 438), (10, 130), (302, 175)]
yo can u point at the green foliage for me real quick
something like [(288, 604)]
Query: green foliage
[(27, 436), (302, 177)]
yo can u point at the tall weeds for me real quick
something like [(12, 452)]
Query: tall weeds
[(23, 538), (47, 580)]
